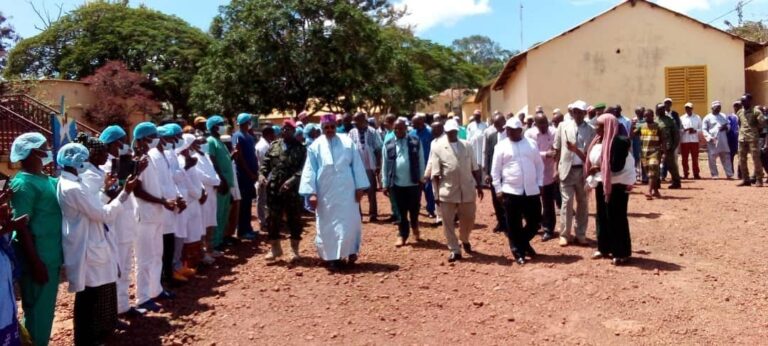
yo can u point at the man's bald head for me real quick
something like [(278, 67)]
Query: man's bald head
[(541, 122), (499, 121)]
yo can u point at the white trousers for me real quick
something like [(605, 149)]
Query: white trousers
[(149, 261), (125, 261)]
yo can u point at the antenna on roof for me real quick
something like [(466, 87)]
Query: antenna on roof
[(522, 47)]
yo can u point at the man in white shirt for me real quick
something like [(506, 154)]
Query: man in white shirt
[(689, 140), (262, 146), (369, 146), (715, 127), (544, 136), (476, 136), (518, 174), (493, 136)]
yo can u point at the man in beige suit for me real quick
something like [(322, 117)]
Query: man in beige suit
[(571, 141), (456, 175)]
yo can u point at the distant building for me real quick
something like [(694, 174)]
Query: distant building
[(636, 53)]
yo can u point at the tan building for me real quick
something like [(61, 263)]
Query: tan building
[(757, 75), (636, 53)]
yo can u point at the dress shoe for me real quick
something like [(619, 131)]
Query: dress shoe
[(454, 256), (168, 295), (674, 186), (352, 259), (467, 247), (548, 235), (620, 261), (520, 260), (696, 177), (744, 183), (582, 241), (399, 242), (497, 229), (530, 251), (334, 265), (135, 312)]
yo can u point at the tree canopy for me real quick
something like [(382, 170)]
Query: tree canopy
[(119, 94), (484, 53), (283, 54), (164, 48), (756, 31), (8, 37)]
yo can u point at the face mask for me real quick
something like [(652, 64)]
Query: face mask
[(81, 169), (204, 148), (168, 146), (124, 150), (154, 143), (48, 159), (225, 130)]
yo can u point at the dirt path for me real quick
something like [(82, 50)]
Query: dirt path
[(698, 277)]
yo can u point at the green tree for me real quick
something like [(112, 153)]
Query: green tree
[(8, 37), (483, 52), (756, 31), (164, 48)]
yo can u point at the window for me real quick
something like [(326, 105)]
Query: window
[(687, 84)]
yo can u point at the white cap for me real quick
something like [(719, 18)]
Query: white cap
[(667, 99), (451, 125), (689, 105), (556, 111), (579, 105), (716, 103), (512, 123)]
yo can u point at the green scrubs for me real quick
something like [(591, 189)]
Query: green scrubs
[(220, 156), (35, 195)]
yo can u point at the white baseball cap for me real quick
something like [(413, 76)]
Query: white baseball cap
[(689, 105), (580, 105), (513, 123), (451, 125)]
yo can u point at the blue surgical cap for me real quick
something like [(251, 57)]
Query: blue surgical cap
[(243, 118), (309, 128), (144, 130), (175, 129), (277, 129), (24, 144), (164, 131), (72, 155), (111, 134), (213, 121)]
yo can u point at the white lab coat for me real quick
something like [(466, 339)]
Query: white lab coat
[(334, 171), (210, 180), (177, 178), (476, 137), (88, 258), (192, 225)]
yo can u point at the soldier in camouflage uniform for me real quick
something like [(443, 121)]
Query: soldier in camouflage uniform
[(281, 172), (752, 122)]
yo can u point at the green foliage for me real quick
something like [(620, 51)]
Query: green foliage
[(756, 31), (8, 37), (484, 53), (283, 54), (163, 48)]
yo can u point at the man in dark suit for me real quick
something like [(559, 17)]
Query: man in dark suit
[(493, 136)]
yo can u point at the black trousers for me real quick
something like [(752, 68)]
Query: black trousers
[(549, 196), (247, 195), (95, 314), (408, 200), (519, 208), (283, 204), (169, 242), (498, 208), (612, 223)]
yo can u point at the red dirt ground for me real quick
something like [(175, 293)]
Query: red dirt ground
[(698, 277)]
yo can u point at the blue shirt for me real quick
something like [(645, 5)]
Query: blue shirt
[(425, 137), (7, 299), (246, 144), (390, 135)]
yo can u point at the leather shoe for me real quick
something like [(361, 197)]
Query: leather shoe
[(467, 247), (453, 257), (352, 259), (530, 251), (547, 236), (520, 260), (674, 186), (744, 183)]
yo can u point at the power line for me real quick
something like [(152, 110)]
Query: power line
[(731, 11)]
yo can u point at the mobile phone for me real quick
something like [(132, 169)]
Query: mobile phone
[(3, 184)]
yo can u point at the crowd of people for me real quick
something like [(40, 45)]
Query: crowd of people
[(154, 209)]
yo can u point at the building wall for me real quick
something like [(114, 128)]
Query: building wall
[(515, 95), (757, 76), (619, 58)]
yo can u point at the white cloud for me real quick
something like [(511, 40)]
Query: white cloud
[(425, 14)]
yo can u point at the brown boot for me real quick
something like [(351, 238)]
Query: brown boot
[(275, 250), (294, 255)]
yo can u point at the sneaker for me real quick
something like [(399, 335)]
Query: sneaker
[(563, 241), (208, 260), (178, 276), (149, 305)]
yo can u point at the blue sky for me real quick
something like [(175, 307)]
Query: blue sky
[(438, 20)]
